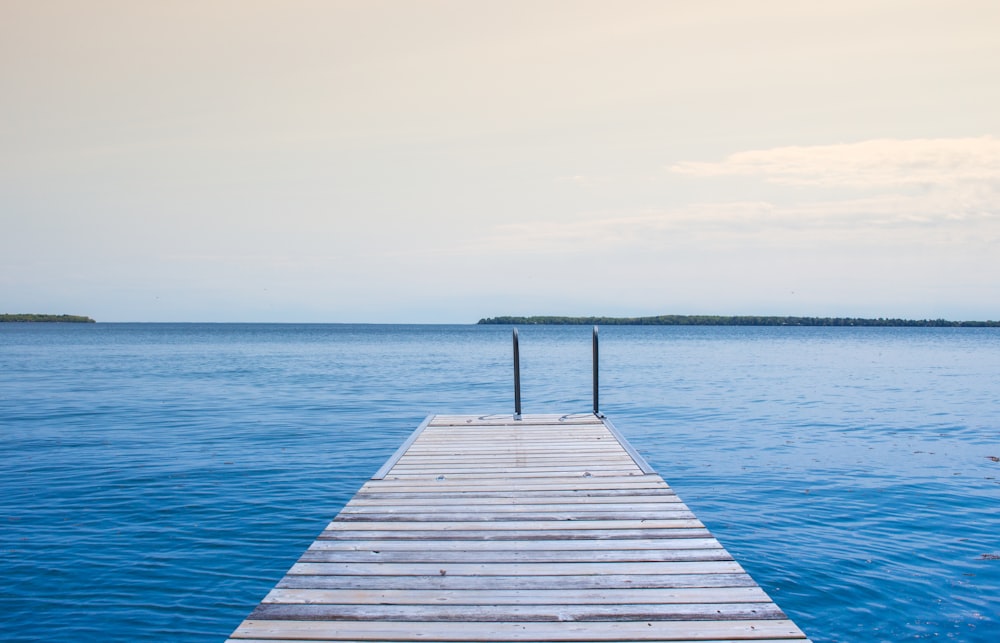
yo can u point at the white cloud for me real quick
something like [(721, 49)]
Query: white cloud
[(880, 163), (886, 219), (924, 192)]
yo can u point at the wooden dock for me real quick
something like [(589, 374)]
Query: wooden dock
[(547, 528)]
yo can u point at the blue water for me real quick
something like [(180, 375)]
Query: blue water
[(156, 480)]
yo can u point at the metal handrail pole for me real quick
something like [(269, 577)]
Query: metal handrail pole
[(517, 379), (597, 408)]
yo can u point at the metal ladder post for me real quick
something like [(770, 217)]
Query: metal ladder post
[(517, 379), (597, 407)]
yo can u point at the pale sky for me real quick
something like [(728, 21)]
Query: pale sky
[(444, 161)]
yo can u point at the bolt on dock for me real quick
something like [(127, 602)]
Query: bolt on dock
[(517, 528)]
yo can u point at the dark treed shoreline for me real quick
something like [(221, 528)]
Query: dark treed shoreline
[(657, 320), (738, 320), (35, 317)]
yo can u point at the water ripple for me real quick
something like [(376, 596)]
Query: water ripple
[(157, 480)]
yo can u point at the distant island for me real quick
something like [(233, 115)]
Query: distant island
[(739, 320), (34, 317)]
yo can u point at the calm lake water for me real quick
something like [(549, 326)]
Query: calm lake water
[(156, 480)]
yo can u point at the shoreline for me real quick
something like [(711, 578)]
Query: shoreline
[(36, 318), (734, 320)]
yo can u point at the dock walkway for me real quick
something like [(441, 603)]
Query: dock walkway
[(546, 528)]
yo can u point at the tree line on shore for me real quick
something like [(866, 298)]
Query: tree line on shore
[(732, 320), (35, 317)]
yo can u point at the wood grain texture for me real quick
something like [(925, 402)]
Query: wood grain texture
[(487, 528)]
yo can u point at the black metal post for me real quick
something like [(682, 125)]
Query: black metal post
[(517, 379), (597, 408)]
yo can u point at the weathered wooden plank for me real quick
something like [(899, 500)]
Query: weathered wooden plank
[(456, 544), (534, 434), (708, 630), (659, 507), (581, 483), (598, 439), (493, 439), (285, 640), (470, 514), (512, 442), (417, 502), (520, 461), (512, 569), (521, 613), (560, 494), (522, 582), (581, 488), (442, 483), (563, 596), (455, 448), (509, 460), (487, 475), (509, 556), (615, 468), (571, 471), (488, 469), (639, 511), (516, 525), (353, 531), (597, 446), (499, 439), (536, 419), (496, 440), (497, 555)]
